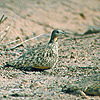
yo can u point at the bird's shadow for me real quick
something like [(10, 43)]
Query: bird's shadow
[(25, 69)]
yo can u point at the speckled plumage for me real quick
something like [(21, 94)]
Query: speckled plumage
[(89, 85), (43, 57)]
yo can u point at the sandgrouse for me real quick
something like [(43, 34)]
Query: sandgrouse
[(39, 58)]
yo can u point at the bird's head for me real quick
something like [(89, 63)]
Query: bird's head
[(55, 34)]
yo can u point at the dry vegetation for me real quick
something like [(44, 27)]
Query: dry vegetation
[(27, 24)]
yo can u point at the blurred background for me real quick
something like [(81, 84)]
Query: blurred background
[(29, 18)]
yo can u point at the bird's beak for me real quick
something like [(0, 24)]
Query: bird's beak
[(65, 33)]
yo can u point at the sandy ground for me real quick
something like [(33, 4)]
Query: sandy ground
[(79, 56)]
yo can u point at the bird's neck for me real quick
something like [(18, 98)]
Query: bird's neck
[(53, 40), (54, 44)]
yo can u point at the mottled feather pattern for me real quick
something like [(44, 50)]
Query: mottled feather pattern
[(43, 57)]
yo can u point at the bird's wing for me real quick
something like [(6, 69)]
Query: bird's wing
[(40, 57)]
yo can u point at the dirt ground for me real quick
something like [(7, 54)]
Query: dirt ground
[(79, 55)]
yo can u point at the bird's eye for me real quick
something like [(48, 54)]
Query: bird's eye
[(57, 31)]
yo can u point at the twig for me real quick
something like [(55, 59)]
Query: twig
[(4, 30), (7, 29), (67, 34), (81, 37), (2, 20), (10, 42), (24, 42)]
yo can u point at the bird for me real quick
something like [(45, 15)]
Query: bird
[(39, 58)]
